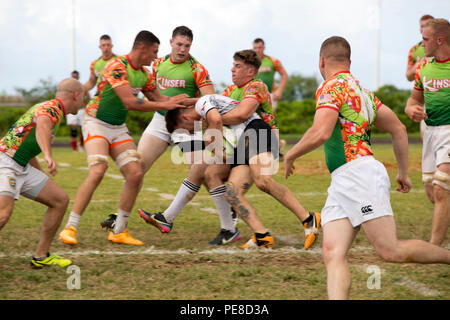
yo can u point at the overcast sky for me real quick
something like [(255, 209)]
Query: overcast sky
[(36, 35)]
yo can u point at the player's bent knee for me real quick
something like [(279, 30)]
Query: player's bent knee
[(127, 157), (263, 183), (331, 253), (4, 217), (60, 200), (135, 176), (390, 254), (442, 179)]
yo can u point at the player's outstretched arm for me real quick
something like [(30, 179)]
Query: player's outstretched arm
[(411, 70), (90, 83), (320, 131), (133, 103), (44, 127), (387, 120), (278, 93)]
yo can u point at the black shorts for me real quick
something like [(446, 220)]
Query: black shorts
[(258, 137)]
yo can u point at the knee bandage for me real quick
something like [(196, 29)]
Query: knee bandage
[(427, 178), (126, 157), (97, 159), (442, 179)]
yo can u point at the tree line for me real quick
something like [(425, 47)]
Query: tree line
[(295, 112)]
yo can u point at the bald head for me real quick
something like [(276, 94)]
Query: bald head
[(69, 85), (71, 92), (336, 49)]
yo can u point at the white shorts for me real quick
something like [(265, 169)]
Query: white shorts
[(157, 128), (436, 147), (75, 119), (359, 191), (114, 134), (16, 180)]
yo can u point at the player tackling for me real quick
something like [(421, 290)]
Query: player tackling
[(105, 132)]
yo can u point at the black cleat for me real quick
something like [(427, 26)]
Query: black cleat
[(225, 236), (110, 222)]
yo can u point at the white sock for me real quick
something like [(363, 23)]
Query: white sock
[(74, 219), (223, 208), (121, 221), (186, 192)]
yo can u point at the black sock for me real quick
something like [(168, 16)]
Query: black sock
[(308, 219), (262, 235), (41, 258)]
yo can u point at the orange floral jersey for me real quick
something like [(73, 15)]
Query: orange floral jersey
[(20, 141), (357, 108), (254, 89), (106, 105)]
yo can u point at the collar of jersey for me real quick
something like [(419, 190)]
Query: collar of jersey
[(442, 61), (174, 62), (346, 71), (245, 84), (112, 55), (62, 106), (129, 61)]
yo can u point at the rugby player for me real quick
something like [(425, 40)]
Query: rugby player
[(21, 173), (105, 132), (266, 73), (75, 121), (432, 88), (359, 194), (175, 73), (254, 157), (415, 56)]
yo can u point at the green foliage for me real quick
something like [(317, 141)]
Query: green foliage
[(396, 99), (300, 87), (8, 116), (45, 90), (295, 112), (296, 116), (138, 121)]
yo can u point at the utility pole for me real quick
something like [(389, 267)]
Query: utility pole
[(73, 36), (378, 45)]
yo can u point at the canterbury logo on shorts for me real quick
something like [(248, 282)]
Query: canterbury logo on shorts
[(367, 210)]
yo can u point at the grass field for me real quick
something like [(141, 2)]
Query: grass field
[(181, 265)]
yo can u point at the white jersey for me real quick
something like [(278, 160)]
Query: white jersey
[(223, 105)]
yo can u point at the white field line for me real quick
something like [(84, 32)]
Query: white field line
[(151, 251), (405, 282), (211, 210), (166, 196), (418, 287)]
